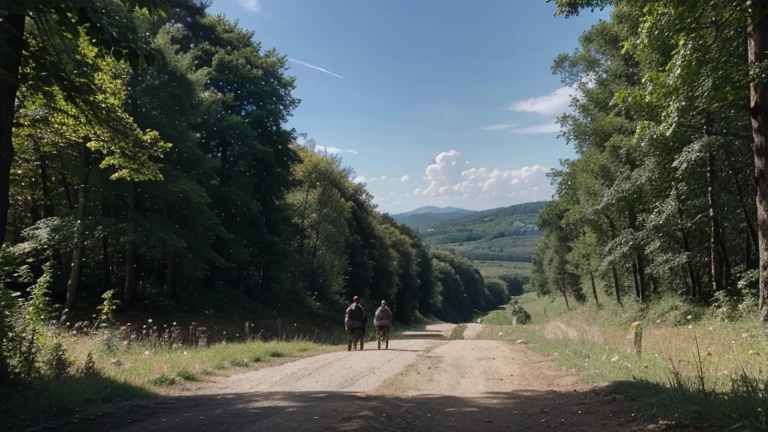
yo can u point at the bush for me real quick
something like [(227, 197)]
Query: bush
[(519, 314), (27, 351), (498, 290), (54, 361)]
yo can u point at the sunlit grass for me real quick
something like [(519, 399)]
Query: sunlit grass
[(137, 371), (692, 367)]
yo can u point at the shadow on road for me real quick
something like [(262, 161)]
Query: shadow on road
[(529, 411)]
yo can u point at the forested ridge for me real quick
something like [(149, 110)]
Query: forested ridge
[(147, 162), (667, 194)]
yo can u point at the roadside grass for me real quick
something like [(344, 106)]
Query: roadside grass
[(127, 373), (458, 332), (693, 367)]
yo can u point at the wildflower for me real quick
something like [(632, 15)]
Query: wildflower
[(615, 357), (690, 326), (146, 352)]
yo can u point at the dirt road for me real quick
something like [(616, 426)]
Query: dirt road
[(416, 385)]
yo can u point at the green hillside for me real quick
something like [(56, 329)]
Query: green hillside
[(514, 221), (499, 241), (426, 220)]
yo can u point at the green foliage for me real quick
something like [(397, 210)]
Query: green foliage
[(107, 309), (498, 290), (519, 314), (645, 213), (40, 308)]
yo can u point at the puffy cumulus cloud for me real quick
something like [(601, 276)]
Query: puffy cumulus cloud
[(449, 176), (359, 179), (405, 178)]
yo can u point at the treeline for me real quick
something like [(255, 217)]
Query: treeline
[(148, 160), (669, 125)]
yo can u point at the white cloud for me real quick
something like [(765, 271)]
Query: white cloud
[(318, 68), (333, 149), (329, 149), (538, 129), (497, 127), (382, 178), (554, 103), (449, 177), (404, 178), (359, 179), (252, 5)]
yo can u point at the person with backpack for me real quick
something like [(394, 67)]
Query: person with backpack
[(354, 324), (383, 316), (355, 315)]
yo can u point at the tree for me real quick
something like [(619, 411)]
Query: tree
[(59, 25)]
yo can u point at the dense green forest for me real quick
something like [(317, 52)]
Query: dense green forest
[(667, 196), (145, 161)]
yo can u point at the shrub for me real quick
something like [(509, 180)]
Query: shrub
[(54, 360)]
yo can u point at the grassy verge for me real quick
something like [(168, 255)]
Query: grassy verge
[(693, 367), (458, 332), (125, 374)]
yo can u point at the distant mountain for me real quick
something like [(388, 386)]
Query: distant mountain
[(499, 241), (424, 218), (436, 210), (501, 234)]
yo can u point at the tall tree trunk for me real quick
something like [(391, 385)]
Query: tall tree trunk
[(715, 241), (13, 35), (638, 263), (757, 39), (298, 269), (65, 183), (695, 280), (742, 203), (636, 281), (594, 289), (77, 247), (641, 278), (614, 271), (565, 296), (130, 248), (616, 285)]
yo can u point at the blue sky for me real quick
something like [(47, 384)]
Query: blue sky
[(432, 102)]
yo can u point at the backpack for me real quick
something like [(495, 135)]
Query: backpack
[(355, 313)]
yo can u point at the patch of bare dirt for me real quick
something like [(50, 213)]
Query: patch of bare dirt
[(472, 330)]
